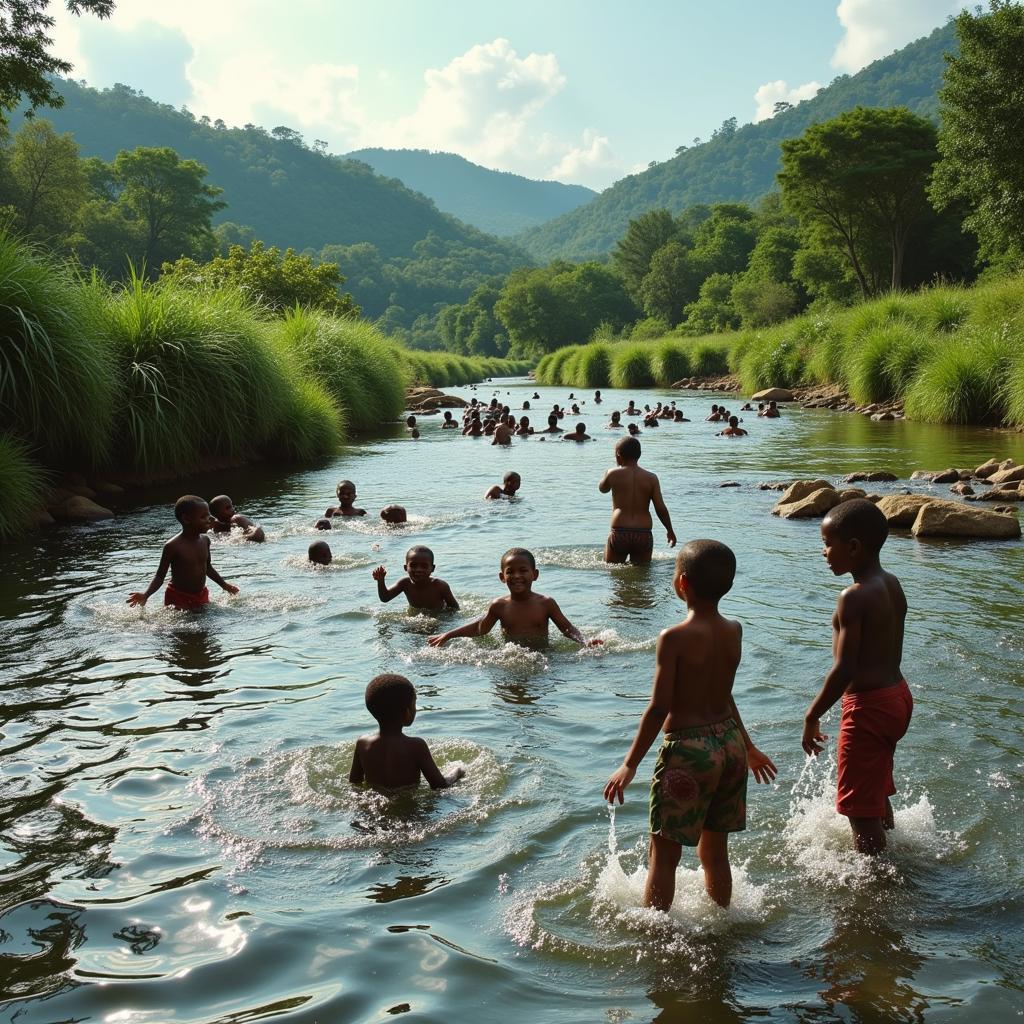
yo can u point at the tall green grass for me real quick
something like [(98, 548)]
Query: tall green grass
[(57, 376), (670, 362), (631, 366), (882, 366), (22, 482), (590, 367), (443, 369)]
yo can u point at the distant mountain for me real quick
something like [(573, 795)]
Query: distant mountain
[(740, 164), (494, 201), (290, 194)]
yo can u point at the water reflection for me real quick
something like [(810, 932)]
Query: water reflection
[(193, 655), (633, 587), (405, 887)]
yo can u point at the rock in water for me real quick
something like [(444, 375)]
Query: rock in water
[(814, 506), (986, 469), (773, 395), (952, 519), (965, 490), (77, 509), (800, 489), (902, 509), (1007, 475), (877, 476)]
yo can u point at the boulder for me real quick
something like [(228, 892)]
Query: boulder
[(773, 395), (946, 476), (800, 489), (813, 506), (1007, 475), (849, 493), (107, 488), (875, 477), (954, 519), (902, 509), (779, 485), (921, 474), (879, 416), (77, 509), (419, 393), (986, 469), (964, 490), (999, 495), (874, 498), (82, 490), (440, 402)]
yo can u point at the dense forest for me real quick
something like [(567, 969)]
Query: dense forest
[(739, 164), (494, 201)]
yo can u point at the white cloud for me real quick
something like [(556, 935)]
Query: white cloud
[(874, 28), (770, 93), (593, 154)]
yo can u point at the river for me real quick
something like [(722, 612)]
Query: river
[(180, 842)]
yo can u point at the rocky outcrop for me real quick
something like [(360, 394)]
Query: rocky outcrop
[(800, 489), (964, 490), (813, 506), (953, 519), (877, 476), (1007, 474), (902, 509), (77, 509), (773, 395)]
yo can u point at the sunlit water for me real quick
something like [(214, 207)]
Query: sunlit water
[(180, 842)]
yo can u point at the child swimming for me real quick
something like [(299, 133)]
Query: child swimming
[(225, 516), (188, 557), (319, 552), (346, 495), (510, 484), (698, 793), (420, 589)]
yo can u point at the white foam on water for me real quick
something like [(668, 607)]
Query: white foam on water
[(613, 643), (471, 651), (591, 557), (818, 839), (342, 561), (302, 800)]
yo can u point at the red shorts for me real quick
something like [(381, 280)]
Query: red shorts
[(873, 723), (185, 600)]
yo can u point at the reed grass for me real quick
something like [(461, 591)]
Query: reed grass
[(670, 362), (882, 366), (631, 366), (22, 483)]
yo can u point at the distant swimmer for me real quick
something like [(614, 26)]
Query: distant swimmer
[(319, 552), (633, 491), (506, 489), (734, 429), (579, 434)]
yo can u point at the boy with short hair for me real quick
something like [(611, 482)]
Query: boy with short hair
[(346, 494), (449, 423), (510, 484), (394, 515), (391, 759), (867, 649), (579, 434), (772, 412), (319, 552), (553, 427), (421, 591), (224, 517), (734, 429), (698, 793), (188, 558), (523, 615)]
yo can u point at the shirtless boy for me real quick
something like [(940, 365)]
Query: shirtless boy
[(734, 429), (579, 434), (553, 427), (319, 552), (633, 491), (391, 758), (524, 615), (867, 648), (420, 589), (225, 516), (346, 494), (503, 432), (511, 483), (188, 558), (448, 423), (615, 423), (699, 789)]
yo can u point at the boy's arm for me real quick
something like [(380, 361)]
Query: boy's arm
[(251, 530), (356, 773), (492, 493), (651, 721), (430, 770), (475, 628), (662, 512), (138, 599), (605, 484), (449, 598), (850, 614), (758, 762), (565, 627), (216, 576), (386, 593)]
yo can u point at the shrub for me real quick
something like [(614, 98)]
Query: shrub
[(944, 310), (57, 371), (590, 367), (882, 366), (631, 367), (669, 363), (773, 359), (650, 327), (22, 482), (997, 304), (709, 359), (311, 425), (558, 359), (1015, 389)]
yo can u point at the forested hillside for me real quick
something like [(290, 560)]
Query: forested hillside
[(494, 201), (739, 164)]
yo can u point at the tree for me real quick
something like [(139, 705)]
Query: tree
[(713, 311), (980, 103), (858, 181), (49, 179), (672, 282), (276, 280), (170, 200), (723, 242), (761, 302), (633, 252), (228, 233), (26, 65), (780, 107)]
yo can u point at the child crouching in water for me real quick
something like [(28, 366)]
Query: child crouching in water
[(390, 758), (699, 789)]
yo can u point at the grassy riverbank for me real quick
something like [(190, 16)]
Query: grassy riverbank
[(951, 355), (151, 379)]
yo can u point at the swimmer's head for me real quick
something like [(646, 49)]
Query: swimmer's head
[(393, 514), (616, 416), (346, 492), (191, 510), (410, 421), (320, 552), (705, 569), (553, 420), (222, 508), (627, 450), (512, 482), (526, 406), (391, 699), (734, 421), (518, 554), (447, 415), (419, 562), (415, 434), (633, 429), (323, 524), (581, 428)]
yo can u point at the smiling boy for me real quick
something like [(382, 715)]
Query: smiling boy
[(420, 589)]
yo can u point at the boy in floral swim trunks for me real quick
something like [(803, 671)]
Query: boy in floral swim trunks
[(698, 794)]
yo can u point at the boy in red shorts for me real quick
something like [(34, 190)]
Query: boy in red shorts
[(867, 648)]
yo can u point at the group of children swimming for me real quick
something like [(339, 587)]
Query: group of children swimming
[(698, 791)]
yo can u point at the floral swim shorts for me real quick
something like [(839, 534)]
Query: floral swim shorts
[(700, 782)]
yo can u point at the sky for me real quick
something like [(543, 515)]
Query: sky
[(581, 91)]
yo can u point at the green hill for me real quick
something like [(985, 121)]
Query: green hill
[(739, 164), (290, 194), (494, 201)]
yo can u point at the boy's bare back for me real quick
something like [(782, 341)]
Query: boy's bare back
[(877, 608), (700, 656), (391, 760), (633, 490)]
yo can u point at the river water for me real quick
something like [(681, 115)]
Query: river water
[(180, 842)]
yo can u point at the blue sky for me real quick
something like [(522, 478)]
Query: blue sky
[(578, 90)]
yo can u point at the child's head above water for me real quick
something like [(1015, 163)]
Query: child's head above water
[(320, 552), (394, 514), (346, 492), (511, 481), (222, 508), (190, 508), (415, 433), (391, 699), (633, 430), (734, 421), (707, 567), (410, 421), (627, 450), (518, 570), (419, 562), (323, 524)]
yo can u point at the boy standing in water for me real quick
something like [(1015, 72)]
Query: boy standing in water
[(523, 615), (633, 492), (390, 758), (188, 558), (421, 591), (867, 649), (698, 794), (346, 494)]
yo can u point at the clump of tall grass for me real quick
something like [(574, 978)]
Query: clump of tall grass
[(352, 360), (773, 359), (631, 366), (57, 379), (22, 482), (198, 375), (882, 366), (669, 362), (709, 359), (310, 427), (590, 367), (998, 305), (944, 309), (824, 343), (964, 381), (553, 370), (1015, 389)]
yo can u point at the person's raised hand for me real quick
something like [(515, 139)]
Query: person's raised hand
[(379, 573), (616, 785), (812, 740), (761, 765)]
